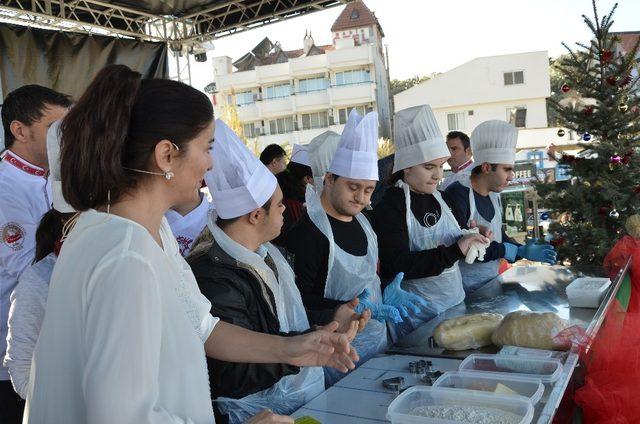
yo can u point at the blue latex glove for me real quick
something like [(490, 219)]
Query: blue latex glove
[(538, 252), (402, 299), (378, 310)]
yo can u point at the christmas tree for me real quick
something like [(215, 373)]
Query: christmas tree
[(600, 103)]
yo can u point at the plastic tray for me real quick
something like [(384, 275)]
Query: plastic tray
[(547, 370), (531, 388), (417, 396), (526, 351), (587, 292)]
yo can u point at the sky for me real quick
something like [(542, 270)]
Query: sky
[(426, 36)]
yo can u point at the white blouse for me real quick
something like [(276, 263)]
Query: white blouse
[(123, 335)]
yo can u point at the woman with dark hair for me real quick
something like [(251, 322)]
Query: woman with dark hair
[(126, 330)]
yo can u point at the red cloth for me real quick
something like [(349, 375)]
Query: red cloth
[(626, 248)]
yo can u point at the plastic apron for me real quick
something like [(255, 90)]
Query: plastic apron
[(478, 273), (291, 391), (347, 277), (442, 291)]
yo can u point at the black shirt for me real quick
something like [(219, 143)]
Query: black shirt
[(459, 195), (389, 222), (311, 256)]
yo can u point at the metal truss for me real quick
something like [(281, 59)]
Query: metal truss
[(220, 19)]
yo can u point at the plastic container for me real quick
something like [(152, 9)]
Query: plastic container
[(501, 383), (587, 292), (526, 351), (547, 370), (399, 411)]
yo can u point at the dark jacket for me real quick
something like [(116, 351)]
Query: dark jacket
[(238, 296)]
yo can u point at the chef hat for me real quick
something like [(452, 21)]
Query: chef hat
[(321, 151), (494, 142), (357, 153), (417, 138), (300, 154), (53, 155), (239, 182)]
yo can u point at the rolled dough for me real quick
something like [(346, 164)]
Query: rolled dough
[(529, 329), (466, 332)]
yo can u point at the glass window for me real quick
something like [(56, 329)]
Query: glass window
[(244, 98), (343, 114), (281, 125), (511, 78), (312, 84), (249, 130), (315, 120), (278, 91), (455, 121), (357, 76), (517, 116)]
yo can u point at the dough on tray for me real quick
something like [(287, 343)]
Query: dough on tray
[(466, 332), (529, 329)]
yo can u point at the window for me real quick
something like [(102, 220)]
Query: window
[(278, 91), (315, 120), (512, 78), (249, 130), (470, 113), (517, 116), (281, 125), (343, 114), (357, 76), (312, 84), (244, 98), (354, 15), (455, 121)]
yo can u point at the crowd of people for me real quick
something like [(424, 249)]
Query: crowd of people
[(129, 295)]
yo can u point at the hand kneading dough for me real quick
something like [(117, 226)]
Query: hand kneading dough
[(529, 329), (466, 332)]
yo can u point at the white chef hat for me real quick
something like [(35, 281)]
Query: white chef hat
[(53, 155), (321, 151), (357, 153), (300, 154), (239, 183), (417, 138), (494, 142)]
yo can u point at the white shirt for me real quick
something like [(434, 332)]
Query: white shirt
[(24, 197), (28, 302), (187, 228), (464, 171), (123, 334)]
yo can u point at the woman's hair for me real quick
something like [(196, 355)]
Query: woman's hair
[(49, 232), (117, 123), (292, 180)]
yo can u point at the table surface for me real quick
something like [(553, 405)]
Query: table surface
[(361, 398)]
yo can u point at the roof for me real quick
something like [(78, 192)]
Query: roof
[(628, 39), (355, 15), (268, 53)]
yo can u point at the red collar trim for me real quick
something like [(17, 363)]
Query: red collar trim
[(465, 165), (23, 165)]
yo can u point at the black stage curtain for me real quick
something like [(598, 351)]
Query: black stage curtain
[(67, 62)]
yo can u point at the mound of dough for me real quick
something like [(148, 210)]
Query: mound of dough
[(466, 332), (529, 329)]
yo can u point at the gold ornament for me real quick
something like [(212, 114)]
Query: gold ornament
[(622, 107), (587, 184), (598, 183)]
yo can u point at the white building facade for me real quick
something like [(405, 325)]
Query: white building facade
[(306, 92), (512, 88)]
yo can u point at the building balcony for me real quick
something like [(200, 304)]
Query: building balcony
[(275, 107), (280, 139), (236, 81), (350, 57), (308, 65), (350, 94), (273, 73), (249, 112), (311, 101)]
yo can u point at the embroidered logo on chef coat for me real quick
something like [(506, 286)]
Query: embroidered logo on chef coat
[(13, 235), (184, 244)]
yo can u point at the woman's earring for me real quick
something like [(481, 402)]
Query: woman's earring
[(168, 175)]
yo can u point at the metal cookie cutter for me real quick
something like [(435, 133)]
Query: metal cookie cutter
[(394, 384)]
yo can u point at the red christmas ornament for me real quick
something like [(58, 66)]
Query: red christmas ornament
[(602, 210), (565, 88), (626, 159), (625, 81), (588, 111), (606, 56), (636, 189), (611, 80)]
